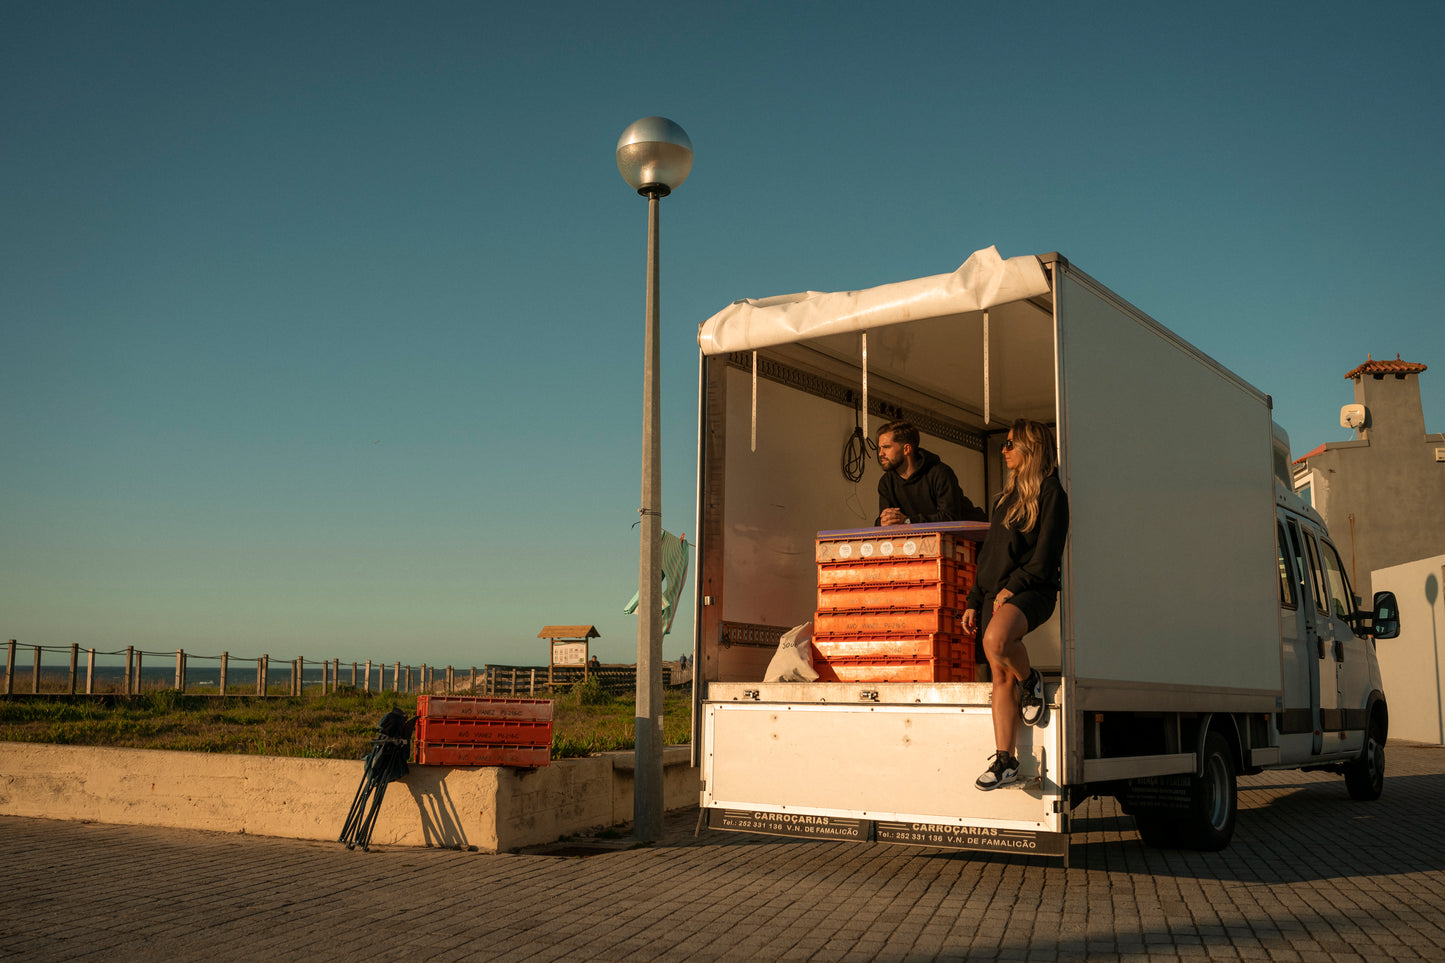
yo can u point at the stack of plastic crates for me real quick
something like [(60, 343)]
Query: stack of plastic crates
[(483, 731), (889, 606)]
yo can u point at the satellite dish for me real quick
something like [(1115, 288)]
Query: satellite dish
[(1352, 416)]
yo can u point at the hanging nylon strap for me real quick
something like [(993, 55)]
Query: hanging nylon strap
[(865, 386), (986, 412), (755, 402)]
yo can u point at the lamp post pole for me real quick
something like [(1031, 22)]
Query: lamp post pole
[(654, 155)]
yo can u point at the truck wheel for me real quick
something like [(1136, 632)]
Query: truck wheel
[(1365, 777), (1209, 824)]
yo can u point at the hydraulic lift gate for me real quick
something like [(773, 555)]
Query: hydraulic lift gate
[(906, 774)]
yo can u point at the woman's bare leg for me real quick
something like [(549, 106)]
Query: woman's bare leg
[(1008, 658)]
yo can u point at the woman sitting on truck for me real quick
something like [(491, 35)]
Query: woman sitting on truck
[(1017, 586)]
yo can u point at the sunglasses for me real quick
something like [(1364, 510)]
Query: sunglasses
[(1008, 444)]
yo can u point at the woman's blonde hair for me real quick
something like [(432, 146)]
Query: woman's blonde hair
[(1034, 442)]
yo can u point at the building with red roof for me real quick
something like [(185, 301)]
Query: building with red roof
[(1383, 492)]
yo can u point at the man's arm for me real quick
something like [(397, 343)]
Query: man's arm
[(887, 501)]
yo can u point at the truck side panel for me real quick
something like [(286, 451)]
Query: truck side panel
[(1157, 442)]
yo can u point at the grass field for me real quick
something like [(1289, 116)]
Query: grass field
[(334, 726)]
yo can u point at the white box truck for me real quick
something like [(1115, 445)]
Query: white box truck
[(1206, 627)]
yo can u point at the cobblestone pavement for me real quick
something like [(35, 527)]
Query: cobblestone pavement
[(1311, 876)]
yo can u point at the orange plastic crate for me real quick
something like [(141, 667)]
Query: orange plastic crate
[(524, 757), (905, 622), (899, 595), (854, 548), (944, 646), (488, 732), (889, 571), (483, 707), (914, 670)]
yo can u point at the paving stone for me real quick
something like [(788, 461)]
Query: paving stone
[(1311, 875)]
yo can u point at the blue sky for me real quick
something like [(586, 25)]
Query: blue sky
[(321, 323)]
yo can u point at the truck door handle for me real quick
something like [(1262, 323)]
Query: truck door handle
[(1320, 643), (1339, 651)]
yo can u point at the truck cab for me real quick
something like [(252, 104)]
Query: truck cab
[(1334, 704)]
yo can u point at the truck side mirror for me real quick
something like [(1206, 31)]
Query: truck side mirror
[(1386, 620)]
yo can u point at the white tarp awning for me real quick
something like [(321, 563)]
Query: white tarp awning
[(984, 281)]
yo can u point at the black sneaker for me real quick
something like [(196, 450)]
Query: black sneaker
[(1003, 770), (1033, 705)]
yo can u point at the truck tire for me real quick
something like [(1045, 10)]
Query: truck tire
[(1365, 777), (1209, 824)]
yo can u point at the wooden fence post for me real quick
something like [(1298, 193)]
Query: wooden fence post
[(135, 679), (263, 675), (225, 657), (367, 687), (90, 671), (532, 687), (10, 668), (180, 685), (74, 664), (396, 677)]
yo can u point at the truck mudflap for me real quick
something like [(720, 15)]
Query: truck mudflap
[(933, 835), (877, 762)]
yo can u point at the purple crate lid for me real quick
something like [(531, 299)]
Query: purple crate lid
[(974, 531)]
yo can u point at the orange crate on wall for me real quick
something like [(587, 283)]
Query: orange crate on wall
[(483, 731), (486, 732), (522, 757), (483, 707)]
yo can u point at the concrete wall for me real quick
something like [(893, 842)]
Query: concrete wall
[(1410, 665), (492, 808)]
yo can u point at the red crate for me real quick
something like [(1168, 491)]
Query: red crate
[(889, 571), (483, 707), (904, 595), (487, 732), (524, 757), (948, 647), (910, 670), (904, 622)]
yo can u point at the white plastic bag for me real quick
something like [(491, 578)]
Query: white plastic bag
[(793, 662)]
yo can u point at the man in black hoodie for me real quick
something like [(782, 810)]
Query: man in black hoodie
[(916, 486)]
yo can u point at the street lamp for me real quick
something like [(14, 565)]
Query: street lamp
[(654, 155)]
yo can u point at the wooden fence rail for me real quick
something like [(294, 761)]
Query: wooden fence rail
[(237, 676)]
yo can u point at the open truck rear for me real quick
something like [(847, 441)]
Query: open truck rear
[(1162, 659)]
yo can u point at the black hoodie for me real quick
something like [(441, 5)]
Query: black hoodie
[(931, 494)]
